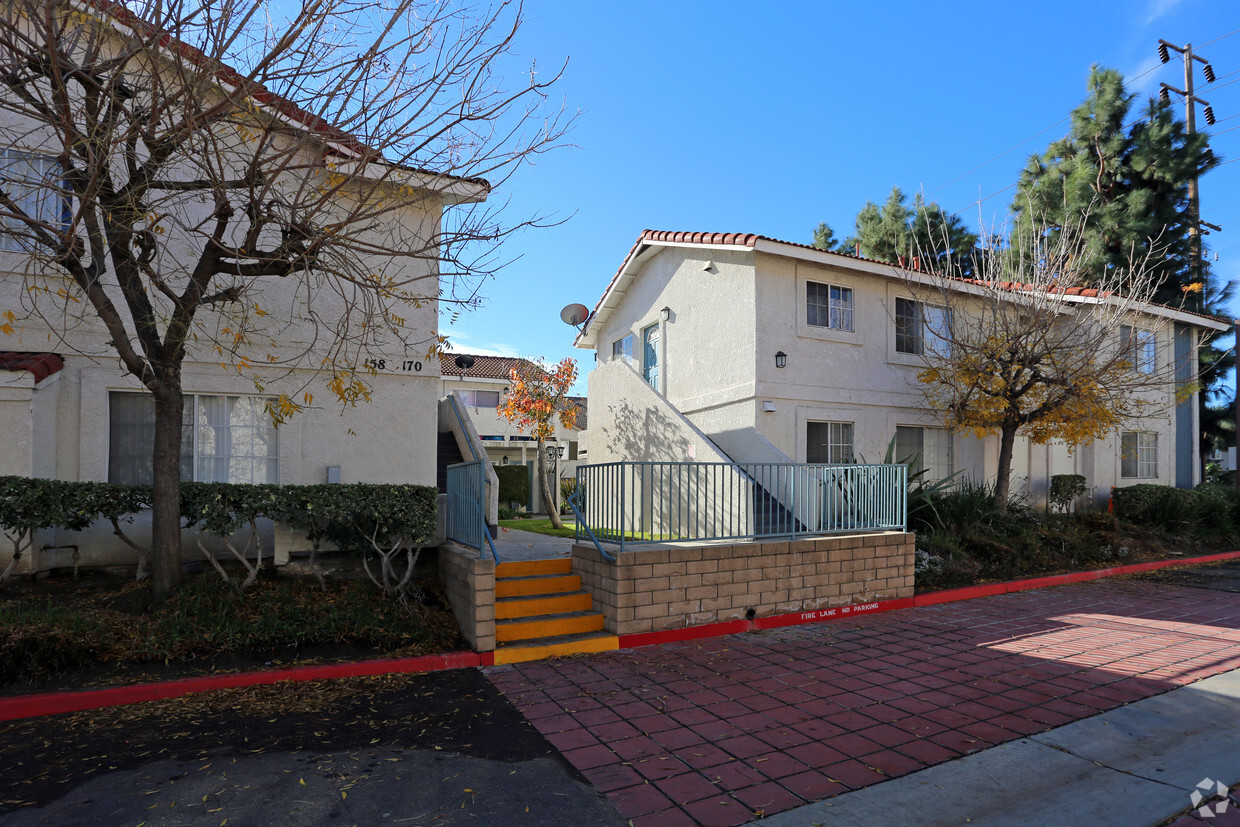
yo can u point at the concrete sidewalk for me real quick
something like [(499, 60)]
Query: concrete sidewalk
[(727, 730), (514, 544)]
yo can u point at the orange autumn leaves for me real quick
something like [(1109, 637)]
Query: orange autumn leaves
[(539, 395)]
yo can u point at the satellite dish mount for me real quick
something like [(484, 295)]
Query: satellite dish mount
[(576, 315)]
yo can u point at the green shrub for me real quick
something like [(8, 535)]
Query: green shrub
[(1064, 489), (1210, 509), (514, 484)]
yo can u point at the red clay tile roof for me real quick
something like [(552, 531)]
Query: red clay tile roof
[(484, 367), (751, 239), (42, 365), (228, 75)]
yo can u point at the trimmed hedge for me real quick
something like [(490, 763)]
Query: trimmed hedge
[(347, 515), (1208, 508)]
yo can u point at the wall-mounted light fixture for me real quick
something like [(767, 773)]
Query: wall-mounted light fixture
[(666, 313), (503, 460), (781, 359)]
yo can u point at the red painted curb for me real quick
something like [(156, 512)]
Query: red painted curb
[(990, 589), (732, 627), (54, 703), (727, 627)]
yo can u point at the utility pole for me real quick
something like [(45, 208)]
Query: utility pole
[(1190, 101)]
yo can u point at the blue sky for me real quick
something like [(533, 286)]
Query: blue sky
[(769, 118)]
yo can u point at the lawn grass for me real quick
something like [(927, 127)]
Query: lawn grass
[(541, 527)]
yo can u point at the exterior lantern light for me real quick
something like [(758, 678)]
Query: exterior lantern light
[(561, 451), (781, 359), (503, 460), (666, 313)]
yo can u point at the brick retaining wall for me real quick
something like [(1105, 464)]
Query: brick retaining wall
[(664, 587), (469, 581)]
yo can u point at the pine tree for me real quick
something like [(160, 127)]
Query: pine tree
[(1131, 181), (1129, 177), (896, 232), (824, 239)]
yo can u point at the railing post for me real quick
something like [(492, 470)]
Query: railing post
[(622, 509)]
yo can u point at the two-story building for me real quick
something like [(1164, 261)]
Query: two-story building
[(481, 388), (69, 410), (742, 348)]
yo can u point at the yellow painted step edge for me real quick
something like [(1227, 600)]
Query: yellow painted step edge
[(521, 654), (526, 568), (534, 629), (532, 607), (538, 585)]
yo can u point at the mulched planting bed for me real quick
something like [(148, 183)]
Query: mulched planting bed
[(61, 633)]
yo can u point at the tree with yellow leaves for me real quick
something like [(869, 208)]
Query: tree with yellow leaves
[(1023, 347), (537, 399), (278, 188)]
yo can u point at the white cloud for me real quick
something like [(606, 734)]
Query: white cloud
[(1138, 82), (1158, 8), (461, 342)]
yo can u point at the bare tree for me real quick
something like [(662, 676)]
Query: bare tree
[(256, 184), (1022, 347)]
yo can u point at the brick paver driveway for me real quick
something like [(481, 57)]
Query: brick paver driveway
[(721, 731)]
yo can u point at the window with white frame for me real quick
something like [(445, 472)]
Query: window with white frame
[(1139, 347), (223, 439), (925, 448), (479, 399), (922, 329), (36, 185), (622, 348), (829, 443), (1138, 455), (827, 305)]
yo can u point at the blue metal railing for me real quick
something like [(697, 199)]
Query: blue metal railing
[(464, 510), (650, 502), (466, 516)]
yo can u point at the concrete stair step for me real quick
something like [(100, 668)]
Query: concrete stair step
[(546, 626), (533, 568), (523, 607), (556, 647), (527, 586)]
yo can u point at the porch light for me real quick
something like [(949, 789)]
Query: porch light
[(666, 313), (781, 359), (503, 460), (561, 450)]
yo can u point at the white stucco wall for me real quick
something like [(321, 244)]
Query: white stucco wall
[(728, 322)]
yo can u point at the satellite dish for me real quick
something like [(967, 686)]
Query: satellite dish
[(464, 361), (575, 314)]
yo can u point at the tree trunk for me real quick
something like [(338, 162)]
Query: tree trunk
[(550, 503), (1003, 482), (166, 573)]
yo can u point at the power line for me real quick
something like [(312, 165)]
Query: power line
[(1027, 140), (1000, 155), (1057, 123), (1217, 39)]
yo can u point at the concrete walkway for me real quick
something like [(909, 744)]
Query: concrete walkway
[(514, 544), (723, 731)]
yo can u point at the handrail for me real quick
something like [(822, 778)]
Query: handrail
[(470, 445), (630, 503), (468, 442), (581, 523)]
